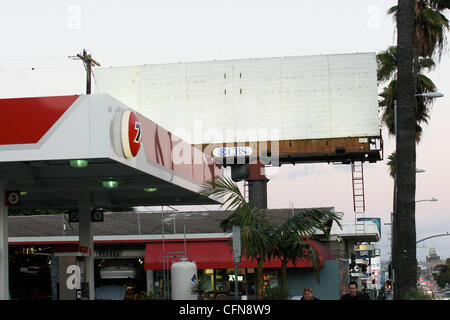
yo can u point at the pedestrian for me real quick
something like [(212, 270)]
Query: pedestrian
[(353, 293), (308, 294)]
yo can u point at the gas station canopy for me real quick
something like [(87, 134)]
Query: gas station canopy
[(56, 150)]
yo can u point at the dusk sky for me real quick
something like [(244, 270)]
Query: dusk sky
[(38, 36)]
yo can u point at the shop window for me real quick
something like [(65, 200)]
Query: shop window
[(209, 271), (221, 280), (270, 279), (208, 275)]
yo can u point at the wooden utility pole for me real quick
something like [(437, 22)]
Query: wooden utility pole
[(88, 62)]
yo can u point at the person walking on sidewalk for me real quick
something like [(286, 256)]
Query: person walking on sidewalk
[(308, 294), (353, 293)]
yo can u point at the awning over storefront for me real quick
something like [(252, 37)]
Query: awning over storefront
[(216, 254)]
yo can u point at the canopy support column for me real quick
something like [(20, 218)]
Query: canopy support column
[(4, 278), (86, 239)]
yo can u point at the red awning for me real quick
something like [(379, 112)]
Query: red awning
[(217, 254)]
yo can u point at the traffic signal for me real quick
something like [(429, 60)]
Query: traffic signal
[(388, 285)]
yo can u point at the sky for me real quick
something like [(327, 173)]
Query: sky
[(39, 36)]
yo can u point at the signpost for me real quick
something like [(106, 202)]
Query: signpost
[(236, 256)]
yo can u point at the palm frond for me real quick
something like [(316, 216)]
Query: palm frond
[(387, 64), (431, 25), (393, 11), (306, 222), (392, 164), (426, 63), (223, 187), (255, 228)]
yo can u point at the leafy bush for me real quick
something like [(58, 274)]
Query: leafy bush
[(150, 295), (275, 294)]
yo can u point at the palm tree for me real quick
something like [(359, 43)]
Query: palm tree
[(421, 33), (260, 239), (255, 228), (291, 239), (404, 255)]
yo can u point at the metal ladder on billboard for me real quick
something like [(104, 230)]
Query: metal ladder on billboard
[(359, 205)]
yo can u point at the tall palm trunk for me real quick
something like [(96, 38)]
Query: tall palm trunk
[(404, 257), (283, 276), (259, 277)]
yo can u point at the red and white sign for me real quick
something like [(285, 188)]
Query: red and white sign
[(130, 134)]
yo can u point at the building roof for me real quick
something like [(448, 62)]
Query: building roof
[(364, 231), (132, 223), (142, 226)]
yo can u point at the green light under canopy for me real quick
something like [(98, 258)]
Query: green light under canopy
[(78, 163), (110, 184), (150, 189)]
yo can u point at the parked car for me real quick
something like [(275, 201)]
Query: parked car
[(446, 295), (113, 292)]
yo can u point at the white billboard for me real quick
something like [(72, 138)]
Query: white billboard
[(267, 99)]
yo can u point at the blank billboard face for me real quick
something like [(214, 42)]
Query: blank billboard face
[(268, 99)]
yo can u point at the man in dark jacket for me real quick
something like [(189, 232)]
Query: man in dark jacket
[(353, 293)]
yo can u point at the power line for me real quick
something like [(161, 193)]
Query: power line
[(32, 57), (95, 80), (34, 68)]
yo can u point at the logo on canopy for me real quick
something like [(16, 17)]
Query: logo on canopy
[(130, 133)]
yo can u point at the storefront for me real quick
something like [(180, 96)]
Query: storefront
[(214, 260), (142, 262)]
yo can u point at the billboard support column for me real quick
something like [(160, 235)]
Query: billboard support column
[(86, 237), (257, 185), (4, 279)]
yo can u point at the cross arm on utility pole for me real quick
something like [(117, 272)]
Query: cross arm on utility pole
[(88, 62)]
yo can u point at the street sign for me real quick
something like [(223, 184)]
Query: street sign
[(12, 198), (363, 247), (74, 216), (97, 215)]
